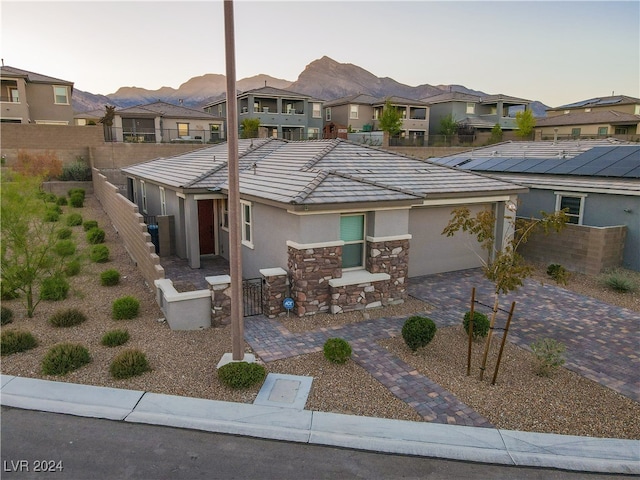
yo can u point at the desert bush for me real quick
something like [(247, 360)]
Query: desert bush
[(241, 374), (619, 281), (51, 216), (67, 318), (558, 273), (99, 253), (64, 358), (337, 350), (6, 315), (54, 288), (549, 356), (95, 235), (89, 224), (115, 338), (480, 324), (65, 248), (125, 308), (418, 331), (74, 219), (109, 278), (61, 201), (77, 171), (46, 164), (76, 200), (14, 341), (76, 191), (50, 197), (129, 363), (64, 233), (72, 268), (8, 291)]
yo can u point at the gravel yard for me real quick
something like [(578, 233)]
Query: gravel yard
[(183, 363)]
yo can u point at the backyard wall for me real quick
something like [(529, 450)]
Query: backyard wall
[(578, 248), (130, 227)]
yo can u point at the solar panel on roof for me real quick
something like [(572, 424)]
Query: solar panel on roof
[(582, 103), (524, 164), (543, 167), (609, 101)]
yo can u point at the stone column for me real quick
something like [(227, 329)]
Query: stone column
[(390, 255), (275, 285), (220, 288)]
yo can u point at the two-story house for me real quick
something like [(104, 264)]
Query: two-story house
[(596, 117), (361, 114), (29, 97), (282, 113), (474, 113)]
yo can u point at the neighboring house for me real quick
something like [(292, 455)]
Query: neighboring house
[(361, 114), (598, 181), (28, 97), (162, 122), (335, 215), (91, 117), (597, 117), (282, 113), (474, 113)]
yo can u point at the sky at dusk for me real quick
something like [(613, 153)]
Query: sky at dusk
[(552, 51)]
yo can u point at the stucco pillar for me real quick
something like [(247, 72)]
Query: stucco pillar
[(191, 228)]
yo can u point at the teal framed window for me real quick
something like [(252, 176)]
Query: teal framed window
[(352, 228)]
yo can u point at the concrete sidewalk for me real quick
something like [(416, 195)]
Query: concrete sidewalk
[(486, 445)]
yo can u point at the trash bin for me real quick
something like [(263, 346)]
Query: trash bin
[(155, 239)]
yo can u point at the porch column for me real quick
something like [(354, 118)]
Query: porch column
[(191, 228), (220, 288), (275, 283)]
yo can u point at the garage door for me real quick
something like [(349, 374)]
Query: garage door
[(432, 252)]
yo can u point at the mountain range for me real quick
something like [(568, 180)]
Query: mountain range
[(323, 79)]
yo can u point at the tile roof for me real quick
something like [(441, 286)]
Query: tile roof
[(318, 172), (585, 118), (164, 109), (470, 97), (7, 71)]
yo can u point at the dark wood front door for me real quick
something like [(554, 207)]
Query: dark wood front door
[(206, 228)]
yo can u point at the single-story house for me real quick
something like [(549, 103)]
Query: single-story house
[(598, 181), (348, 223)]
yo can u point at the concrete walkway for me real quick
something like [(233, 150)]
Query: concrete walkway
[(486, 445)]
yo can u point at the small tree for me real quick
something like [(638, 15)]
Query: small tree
[(448, 127), (250, 127), (390, 119), (525, 122), (496, 134)]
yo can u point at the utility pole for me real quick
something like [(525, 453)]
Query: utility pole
[(235, 251)]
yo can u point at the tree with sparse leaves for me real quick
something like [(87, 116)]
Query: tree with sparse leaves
[(250, 127), (525, 122), (390, 120), (496, 134)]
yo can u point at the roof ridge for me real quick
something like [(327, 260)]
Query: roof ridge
[(310, 187), (318, 156), (374, 183), (204, 175)]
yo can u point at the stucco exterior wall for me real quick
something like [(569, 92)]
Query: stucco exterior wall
[(42, 107)]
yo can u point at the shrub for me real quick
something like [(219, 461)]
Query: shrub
[(54, 288), (619, 281), (76, 200), (77, 171), (67, 318), (51, 216), (46, 164), (6, 315), (99, 254), (337, 350), (418, 331), (129, 363), (549, 356), (110, 277), (14, 341), (72, 268), (8, 291), (64, 358), (241, 374), (95, 236), (125, 308), (480, 324), (65, 248), (74, 219), (61, 201), (49, 197), (89, 224), (115, 338), (76, 191), (558, 273), (64, 233)]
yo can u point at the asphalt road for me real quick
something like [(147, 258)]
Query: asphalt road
[(47, 445)]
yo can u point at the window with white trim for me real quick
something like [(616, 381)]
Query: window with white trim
[(574, 205), (60, 95), (313, 133), (183, 129), (224, 206), (327, 114), (143, 191), (353, 112), (163, 201), (134, 190), (603, 131), (247, 224), (316, 113), (352, 228), (471, 107)]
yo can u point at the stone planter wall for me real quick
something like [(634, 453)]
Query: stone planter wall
[(361, 296)]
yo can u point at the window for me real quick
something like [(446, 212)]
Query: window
[(143, 191), (327, 114), (471, 107), (225, 214), (215, 132), (353, 112), (183, 129), (163, 201), (317, 111), (247, 228), (14, 97), (134, 191), (61, 95), (603, 130), (313, 133), (574, 203), (352, 233), (621, 130), (575, 132)]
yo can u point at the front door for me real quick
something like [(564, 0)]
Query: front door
[(206, 228)]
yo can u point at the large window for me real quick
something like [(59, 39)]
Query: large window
[(352, 233), (61, 95), (183, 129), (471, 107), (603, 131), (316, 110), (353, 112), (574, 205), (247, 227)]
